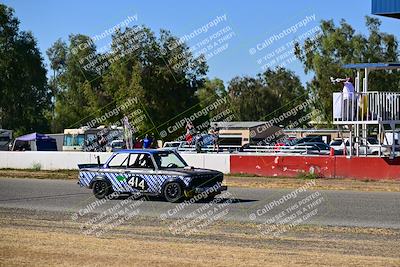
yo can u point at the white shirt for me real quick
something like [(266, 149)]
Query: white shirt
[(348, 90)]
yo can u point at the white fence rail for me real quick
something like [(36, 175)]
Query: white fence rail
[(253, 149), (366, 107), (57, 160)]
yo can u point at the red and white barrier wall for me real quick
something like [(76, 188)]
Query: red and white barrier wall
[(265, 165), (373, 168)]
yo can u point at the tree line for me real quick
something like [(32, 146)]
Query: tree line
[(167, 81)]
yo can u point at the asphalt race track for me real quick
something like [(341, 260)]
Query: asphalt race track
[(337, 208)]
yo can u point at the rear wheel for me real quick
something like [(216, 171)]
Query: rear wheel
[(101, 189), (173, 192)]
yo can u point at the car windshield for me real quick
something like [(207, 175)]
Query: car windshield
[(168, 159), (336, 143), (373, 141)]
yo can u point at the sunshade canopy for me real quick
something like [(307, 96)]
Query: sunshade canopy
[(33, 137)]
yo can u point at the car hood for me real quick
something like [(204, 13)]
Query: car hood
[(193, 171)]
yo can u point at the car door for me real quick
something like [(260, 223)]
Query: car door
[(116, 172), (141, 173)]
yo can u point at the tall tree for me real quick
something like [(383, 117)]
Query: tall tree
[(161, 72), (211, 91), (25, 96), (250, 99), (268, 95), (213, 94), (341, 45), (79, 92), (57, 55)]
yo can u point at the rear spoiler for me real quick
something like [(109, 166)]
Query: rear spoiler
[(91, 165)]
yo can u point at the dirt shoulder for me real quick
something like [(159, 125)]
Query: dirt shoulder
[(239, 181), (323, 183), (41, 238), (39, 174)]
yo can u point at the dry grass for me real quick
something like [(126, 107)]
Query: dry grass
[(39, 174), (52, 240), (38, 248), (321, 183)]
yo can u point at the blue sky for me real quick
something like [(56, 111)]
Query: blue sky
[(251, 22)]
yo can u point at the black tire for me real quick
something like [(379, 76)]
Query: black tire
[(173, 192), (101, 189)]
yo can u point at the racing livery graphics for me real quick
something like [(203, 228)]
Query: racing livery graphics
[(150, 172)]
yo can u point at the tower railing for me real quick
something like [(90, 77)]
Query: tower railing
[(366, 107)]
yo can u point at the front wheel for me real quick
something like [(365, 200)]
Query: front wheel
[(173, 192), (101, 189)]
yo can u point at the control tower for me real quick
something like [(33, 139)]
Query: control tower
[(366, 109)]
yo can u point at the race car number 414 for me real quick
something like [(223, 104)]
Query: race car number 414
[(137, 183)]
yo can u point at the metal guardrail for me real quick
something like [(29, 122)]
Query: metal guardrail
[(253, 149), (279, 149), (222, 148)]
